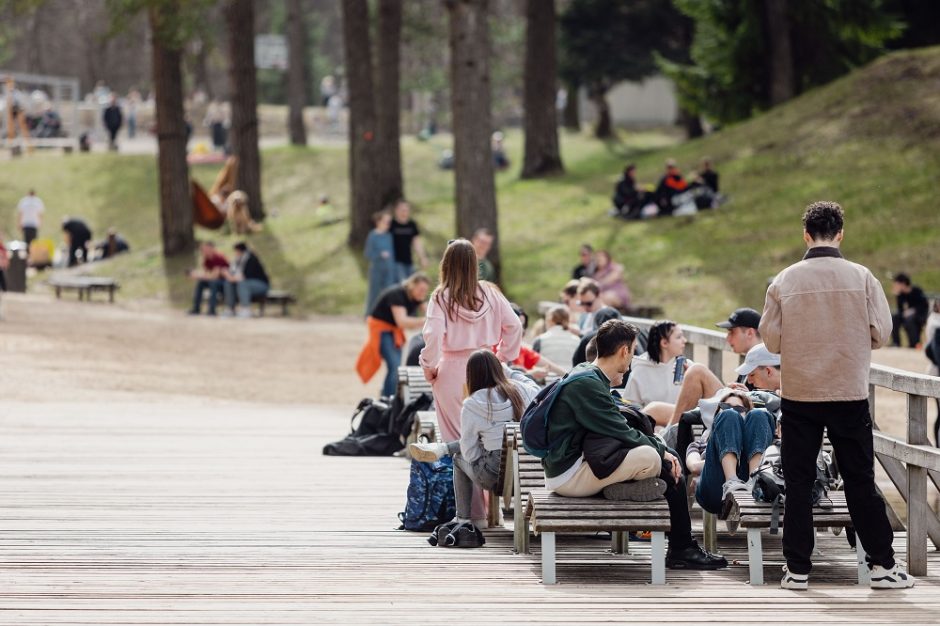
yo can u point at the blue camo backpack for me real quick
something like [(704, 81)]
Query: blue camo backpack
[(534, 423), (430, 496)]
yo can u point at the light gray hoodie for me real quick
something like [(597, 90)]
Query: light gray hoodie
[(485, 414)]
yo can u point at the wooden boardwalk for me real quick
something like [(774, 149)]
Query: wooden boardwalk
[(200, 513)]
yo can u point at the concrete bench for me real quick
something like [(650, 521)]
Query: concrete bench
[(84, 285), (756, 516), (551, 514)]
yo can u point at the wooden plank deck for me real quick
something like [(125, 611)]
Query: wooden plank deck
[(203, 513)]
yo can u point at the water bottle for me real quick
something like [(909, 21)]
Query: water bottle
[(679, 372)]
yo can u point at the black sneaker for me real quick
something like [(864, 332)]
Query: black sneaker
[(645, 490), (694, 557)]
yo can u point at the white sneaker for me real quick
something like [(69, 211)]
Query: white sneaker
[(427, 452), (244, 313), (894, 578), (796, 582)]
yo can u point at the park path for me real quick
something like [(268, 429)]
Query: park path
[(130, 494)]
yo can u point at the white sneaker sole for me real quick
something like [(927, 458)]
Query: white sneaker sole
[(892, 584), (424, 456)]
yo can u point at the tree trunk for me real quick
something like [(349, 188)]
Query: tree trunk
[(572, 114), (201, 68), (365, 197), (542, 155), (603, 128), (240, 21), (388, 101), (691, 122), (781, 53), (176, 205), (472, 120), (296, 73)]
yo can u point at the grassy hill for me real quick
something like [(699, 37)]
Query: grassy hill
[(870, 141)]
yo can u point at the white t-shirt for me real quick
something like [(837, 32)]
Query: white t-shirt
[(30, 208)]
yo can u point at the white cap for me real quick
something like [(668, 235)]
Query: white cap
[(758, 356)]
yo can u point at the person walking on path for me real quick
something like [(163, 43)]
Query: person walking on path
[(29, 211), (823, 316), (112, 118), (380, 253), (464, 315)]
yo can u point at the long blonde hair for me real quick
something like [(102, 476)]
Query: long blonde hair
[(459, 278)]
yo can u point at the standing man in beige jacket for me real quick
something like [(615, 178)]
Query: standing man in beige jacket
[(824, 315)]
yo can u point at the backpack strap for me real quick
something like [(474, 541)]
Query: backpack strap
[(775, 514)]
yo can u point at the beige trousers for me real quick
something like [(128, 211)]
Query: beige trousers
[(641, 462)]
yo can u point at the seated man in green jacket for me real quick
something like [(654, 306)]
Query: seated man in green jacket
[(585, 408)]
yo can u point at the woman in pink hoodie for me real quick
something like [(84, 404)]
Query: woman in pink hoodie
[(463, 315)]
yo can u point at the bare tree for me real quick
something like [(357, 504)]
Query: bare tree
[(363, 149), (297, 73), (387, 104), (542, 156), (176, 212), (472, 120), (239, 18)]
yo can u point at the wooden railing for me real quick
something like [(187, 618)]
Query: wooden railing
[(909, 464)]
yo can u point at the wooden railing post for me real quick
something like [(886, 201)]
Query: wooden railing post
[(917, 509)]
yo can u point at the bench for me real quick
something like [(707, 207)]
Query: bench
[(551, 514), (411, 383), (84, 285), (756, 516), (276, 297)]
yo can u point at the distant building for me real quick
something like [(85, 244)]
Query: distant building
[(651, 102)]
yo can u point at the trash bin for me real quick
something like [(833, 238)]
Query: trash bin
[(16, 271)]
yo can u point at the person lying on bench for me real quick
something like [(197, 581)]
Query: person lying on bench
[(585, 408), (496, 395), (730, 450)]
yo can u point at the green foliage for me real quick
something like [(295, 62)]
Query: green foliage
[(175, 22), (730, 76), (606, 41)]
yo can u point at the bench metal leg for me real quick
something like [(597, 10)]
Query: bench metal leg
[(58, 293), (710, 531), (284, 309), (548, 558), (864, 574), (111, 295), (755, 555), (658, 554)]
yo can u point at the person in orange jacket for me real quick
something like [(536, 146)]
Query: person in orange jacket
[(670, 184), (397, 309)]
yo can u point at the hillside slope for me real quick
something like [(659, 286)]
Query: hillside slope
[(870, 141)]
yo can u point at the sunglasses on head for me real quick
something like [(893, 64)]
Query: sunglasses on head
[(724, 406)]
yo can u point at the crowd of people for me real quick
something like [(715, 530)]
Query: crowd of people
[(474, 356), (672, 195)]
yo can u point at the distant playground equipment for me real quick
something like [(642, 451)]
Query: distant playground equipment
[(209, 208), (34, 108)]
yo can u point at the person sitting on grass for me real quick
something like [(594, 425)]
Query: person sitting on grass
[(209, 277), (496, 395), (647, 471), (246, 278)]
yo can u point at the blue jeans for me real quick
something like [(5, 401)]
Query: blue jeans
[(214, 286), (403, 271), (391, 354), (246, 289), (743, 436)]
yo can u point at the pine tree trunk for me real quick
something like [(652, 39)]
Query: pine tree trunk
[(472, 120), (603, 128), (240, 20), (176, 205), (365, 198), (572, 113), (692, 123), (781, 53), (388, 101), (296, 73), (542, 155)]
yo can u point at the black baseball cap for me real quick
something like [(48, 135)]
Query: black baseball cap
[(747, 318)]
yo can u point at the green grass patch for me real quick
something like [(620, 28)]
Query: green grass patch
[(870, 141)]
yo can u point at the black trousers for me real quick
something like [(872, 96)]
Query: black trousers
[(911, 326), (680, 535), (850, 431)]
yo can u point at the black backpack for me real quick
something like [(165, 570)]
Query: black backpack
[(770, 486), (383, 426), (534, 423)]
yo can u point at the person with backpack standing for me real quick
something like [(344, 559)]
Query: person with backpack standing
[(496, 395), (824, 315), (464, 315)]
